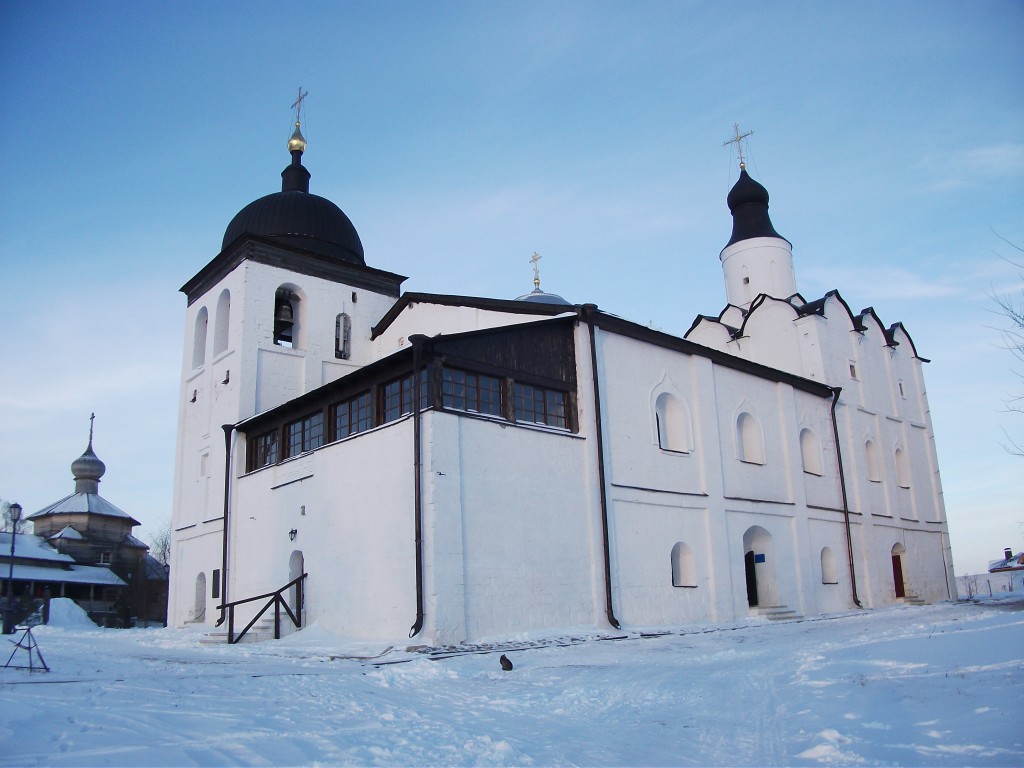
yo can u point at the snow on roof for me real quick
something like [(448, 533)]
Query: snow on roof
[(30, 547), (1011, 563), (131, 541), (76, 574), (67, 532), (80, 503)]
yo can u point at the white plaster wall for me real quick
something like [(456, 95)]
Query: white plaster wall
[(643, 533), (197, 550), (527, 556), (924, 571), (211, 394), (829, 531), (633, 375), (771, 404), (351, 503), (768, 264)]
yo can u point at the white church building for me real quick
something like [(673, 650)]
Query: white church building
[(450, 468)]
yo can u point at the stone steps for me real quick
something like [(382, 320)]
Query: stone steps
[(261, 631), (913, 600), (777, 613)]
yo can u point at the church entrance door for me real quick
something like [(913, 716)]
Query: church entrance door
[(759, 568), (748, 562), (897, 570)]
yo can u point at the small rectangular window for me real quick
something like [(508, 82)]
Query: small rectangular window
[(263, 450), (853, 371), (103, 558), (398, 395), (215, 587), (305, 434), (352, 416), (539, 405), (466, 391)]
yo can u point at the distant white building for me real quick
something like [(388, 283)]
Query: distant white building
[(452, 467)]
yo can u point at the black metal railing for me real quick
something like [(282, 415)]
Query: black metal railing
[(275, 599)]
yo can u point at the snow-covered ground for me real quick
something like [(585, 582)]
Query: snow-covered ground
[(933, 685)]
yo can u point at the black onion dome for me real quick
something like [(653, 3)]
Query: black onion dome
[(296, 218), (748, 202)]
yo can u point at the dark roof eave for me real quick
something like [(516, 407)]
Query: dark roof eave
[(265, 251), (514, 306)]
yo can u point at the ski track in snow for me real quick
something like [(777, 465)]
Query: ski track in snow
[(934, 685)]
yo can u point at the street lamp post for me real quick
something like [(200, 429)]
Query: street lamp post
[(14, 512)]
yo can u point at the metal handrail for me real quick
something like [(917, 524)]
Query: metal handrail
[(275, 599)]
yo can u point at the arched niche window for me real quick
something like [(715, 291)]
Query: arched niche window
[(810, 452), (199, 608), (199, 338), (749, 439), (874, 466), (222, 322), (902, 471), (287, 317), (684, 571), (828, 567), (672, 420)]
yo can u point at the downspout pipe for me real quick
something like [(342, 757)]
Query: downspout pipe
[(836, 391), (228, 430), (417, 341), (587, 312)]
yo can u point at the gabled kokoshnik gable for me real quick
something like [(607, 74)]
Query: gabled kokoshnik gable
[(454, 467)]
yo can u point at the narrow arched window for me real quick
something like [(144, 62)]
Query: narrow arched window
[(199, 338), (902, 472), (749, 439), (874, 466), (810, 452), (672, 420), (828, 567), (222, 322), (684, 571)]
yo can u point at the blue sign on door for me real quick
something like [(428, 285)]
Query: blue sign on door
[(759, 558)]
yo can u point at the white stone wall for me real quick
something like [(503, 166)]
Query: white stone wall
[(511, 528), (242, 373), (351, 505)]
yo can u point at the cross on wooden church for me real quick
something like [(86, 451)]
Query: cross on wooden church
[(737, 139)]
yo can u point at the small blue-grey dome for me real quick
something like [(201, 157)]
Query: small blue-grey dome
[(542, 297)]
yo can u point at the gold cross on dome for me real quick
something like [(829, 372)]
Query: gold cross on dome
[(297, 106), (535, 259), (737, 139)]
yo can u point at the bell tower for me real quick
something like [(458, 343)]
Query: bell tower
[(285, 307), (757, 259)]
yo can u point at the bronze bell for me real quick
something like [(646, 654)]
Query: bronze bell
[(284, 321), (283, 312)]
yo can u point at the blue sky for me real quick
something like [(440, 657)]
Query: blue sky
[(461, 137)]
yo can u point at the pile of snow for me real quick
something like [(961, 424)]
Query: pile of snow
[(67, 614), (938, 685)]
